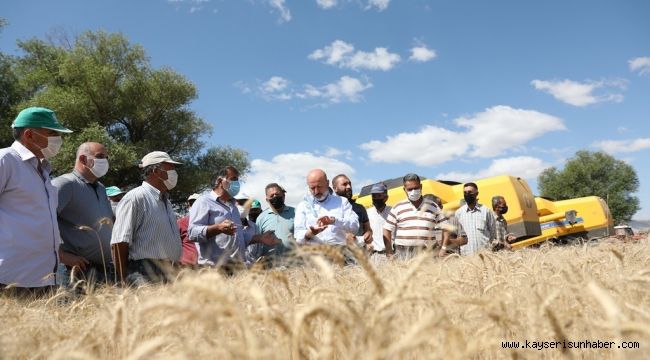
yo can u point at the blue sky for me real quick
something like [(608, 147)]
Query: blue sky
[(378, 88)]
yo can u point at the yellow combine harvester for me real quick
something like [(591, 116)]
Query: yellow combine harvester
[(532, 219)]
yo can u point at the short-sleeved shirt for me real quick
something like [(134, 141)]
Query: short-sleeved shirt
[(85, 218), (362, 214), (377, 220), (479, 225), (208, 210), (29, 231), (414, 226), (281, 224), (146, 221)]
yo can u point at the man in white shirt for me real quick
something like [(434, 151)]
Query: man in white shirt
[(323, 217), (29, 231), (377, 215)]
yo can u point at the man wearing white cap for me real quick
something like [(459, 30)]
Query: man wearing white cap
[(146, 241), (29, 231)]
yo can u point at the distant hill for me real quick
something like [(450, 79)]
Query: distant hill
[(640, 225)]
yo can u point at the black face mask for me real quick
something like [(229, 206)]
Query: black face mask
[(503, 210), (253, 217), (470, 199), (277, 202), (378, 203)]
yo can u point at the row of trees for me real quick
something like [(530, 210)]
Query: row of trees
[(106, 90)]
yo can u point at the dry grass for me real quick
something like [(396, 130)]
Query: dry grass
[(452, 308)]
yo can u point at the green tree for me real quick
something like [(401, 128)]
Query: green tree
[(11, 94), (105, 89), (594, 173)]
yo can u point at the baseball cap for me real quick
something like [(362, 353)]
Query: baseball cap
[(193, 197), (39, 117), (242, 196), (256, 204), (157, 157), (113, 191), (379, 188)]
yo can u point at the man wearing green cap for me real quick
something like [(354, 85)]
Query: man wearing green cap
[(29, 233)]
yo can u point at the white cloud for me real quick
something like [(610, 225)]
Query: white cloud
[(622, 129), (279, 5), (381, 5), (582, 94), (430, 146), (623, 146), (192, 6), (290, 171), (346, 89), (326, 4), (487, 134), (500, 128), (342, 54), (422, 54), (277, 88), (526, 167), (333, 152), (640, 65), (274, 89)]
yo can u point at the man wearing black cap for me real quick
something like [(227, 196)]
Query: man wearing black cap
[(377, 215)]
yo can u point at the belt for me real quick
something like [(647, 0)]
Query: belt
[(379, 252)]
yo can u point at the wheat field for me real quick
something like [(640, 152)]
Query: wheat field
[(456, 308)]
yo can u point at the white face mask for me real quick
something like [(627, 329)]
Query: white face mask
[(415, 194), (53, 146), (100, 167), (172, 179)]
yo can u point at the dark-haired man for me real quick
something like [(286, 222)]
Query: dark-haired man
[(278, 217), (477, 221)]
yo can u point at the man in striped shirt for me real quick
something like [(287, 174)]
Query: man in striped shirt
[(413, 221), (477, 221), (146, 241)]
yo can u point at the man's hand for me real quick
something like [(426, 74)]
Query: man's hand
[(315, 230), (510, 238), (326, 220), (367, 237), (73, 260), (227, 227), (442, 253), (269, 238)]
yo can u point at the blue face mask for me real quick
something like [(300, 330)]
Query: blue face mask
[(233, 189)]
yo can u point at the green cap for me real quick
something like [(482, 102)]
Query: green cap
[(38, 117), (113, 190), (256, 205)]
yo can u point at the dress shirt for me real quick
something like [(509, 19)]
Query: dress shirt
[(29, 232)]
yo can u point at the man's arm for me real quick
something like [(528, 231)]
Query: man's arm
[(126, 219)]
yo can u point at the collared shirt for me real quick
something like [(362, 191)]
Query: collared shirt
[(207, 210), (501, 230), (146, 221), (83, 204), (280, 223), (310, 210), (414, 226), (479, 225), (377, 220), (29, 232)]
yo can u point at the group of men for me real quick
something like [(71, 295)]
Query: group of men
[(74, 220)]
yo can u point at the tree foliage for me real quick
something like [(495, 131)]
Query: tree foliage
[(106, 90), (594, 173)]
